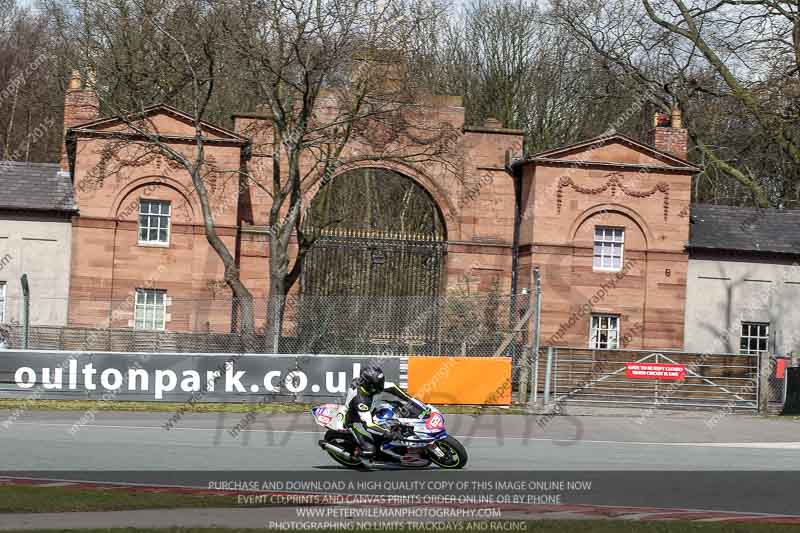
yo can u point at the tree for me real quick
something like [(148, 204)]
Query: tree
[(28, 86), (754, 48), (332, 75), (732, 67), (138, 51)]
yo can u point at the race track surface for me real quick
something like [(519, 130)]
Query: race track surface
[(685, 461), (40, 440)]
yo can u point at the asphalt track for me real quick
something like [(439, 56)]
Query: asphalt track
[(39, 440), (689, 461)]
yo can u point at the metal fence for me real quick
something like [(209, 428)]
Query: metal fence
[(457, 325), (601, 377)]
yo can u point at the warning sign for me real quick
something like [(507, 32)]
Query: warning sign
[(655, 371)]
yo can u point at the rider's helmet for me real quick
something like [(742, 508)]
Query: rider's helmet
[(372, 379)]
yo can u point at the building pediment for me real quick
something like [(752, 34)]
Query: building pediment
[(162, 120), (615, 150)]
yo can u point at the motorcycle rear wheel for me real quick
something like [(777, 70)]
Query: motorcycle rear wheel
[(346, 442), (455, 455)]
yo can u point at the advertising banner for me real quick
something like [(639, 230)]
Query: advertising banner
[(460, 380), (178, 376)]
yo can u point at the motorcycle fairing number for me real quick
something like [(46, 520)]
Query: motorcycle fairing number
[(436, 421), (324, 416)]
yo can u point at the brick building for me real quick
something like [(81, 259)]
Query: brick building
[(606, 221), (140, 256)]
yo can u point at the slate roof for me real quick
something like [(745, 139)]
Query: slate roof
[(746, 229), (35, 186)]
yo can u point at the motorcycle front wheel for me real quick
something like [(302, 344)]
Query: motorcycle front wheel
[(453, 454)]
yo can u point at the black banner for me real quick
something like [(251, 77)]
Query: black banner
[(177, 377)]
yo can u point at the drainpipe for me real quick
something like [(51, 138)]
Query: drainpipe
[(512, 312), (517, 222), (26, 310)]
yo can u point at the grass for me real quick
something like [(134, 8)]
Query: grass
[(244, 407), (544, 526), (32, 499)]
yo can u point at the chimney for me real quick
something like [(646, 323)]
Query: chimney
[(81, 105), (668, 133)]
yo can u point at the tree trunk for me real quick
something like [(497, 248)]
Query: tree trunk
[(279, 264)]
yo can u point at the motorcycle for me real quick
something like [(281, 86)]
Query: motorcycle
[(424, 439)]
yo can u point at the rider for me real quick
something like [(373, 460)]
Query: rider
[(359, 409)]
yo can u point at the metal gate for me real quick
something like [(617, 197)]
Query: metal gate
[(369, 263), (375, 282), (605, 377)]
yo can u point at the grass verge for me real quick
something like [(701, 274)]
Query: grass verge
[(244, 407), (32, 499)]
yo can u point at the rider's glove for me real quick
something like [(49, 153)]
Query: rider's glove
[(397, 433)]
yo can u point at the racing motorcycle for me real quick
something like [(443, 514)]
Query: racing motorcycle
[(424, 437)]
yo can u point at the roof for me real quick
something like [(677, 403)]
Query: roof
[(99, 124), (35, 186), (556, 155), (745, 229)]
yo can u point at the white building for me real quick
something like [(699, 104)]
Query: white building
[(743, 286), (36, 206)]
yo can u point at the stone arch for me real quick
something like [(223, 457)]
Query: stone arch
[(612, 208), (438, 196), (120, 201)]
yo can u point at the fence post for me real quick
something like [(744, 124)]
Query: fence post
[(26, 310), (537, 294), (547, 374), (523, 353), (763, 382)]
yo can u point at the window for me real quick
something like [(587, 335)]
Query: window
[(608, 244), (755, 338), (604, 334), (2, 301), (154, 221), (151, 309)]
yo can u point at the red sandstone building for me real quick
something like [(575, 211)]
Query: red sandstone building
[(605, 221)]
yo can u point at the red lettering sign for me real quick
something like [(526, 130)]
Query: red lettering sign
[(655, 371)]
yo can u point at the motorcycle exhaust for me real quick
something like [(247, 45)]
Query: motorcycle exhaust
[(332, 447)]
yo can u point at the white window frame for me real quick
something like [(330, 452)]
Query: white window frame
[(754, 327), (3, 294), (607, 238), (594, 331), (158, 217), (143, 305)]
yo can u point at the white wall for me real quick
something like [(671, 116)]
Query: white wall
[(725, 290), (39, 246)]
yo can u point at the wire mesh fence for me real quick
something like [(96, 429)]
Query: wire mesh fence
[(454, 325)]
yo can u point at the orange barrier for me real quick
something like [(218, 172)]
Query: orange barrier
[(460, 380)]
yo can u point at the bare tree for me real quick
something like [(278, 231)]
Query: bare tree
[(332, 75), (737, 57), (173, 46)]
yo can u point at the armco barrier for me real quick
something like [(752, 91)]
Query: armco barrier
[(178, 377), (460, 380)]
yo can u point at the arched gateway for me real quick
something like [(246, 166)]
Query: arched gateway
[(378, 258), (378, 234)]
